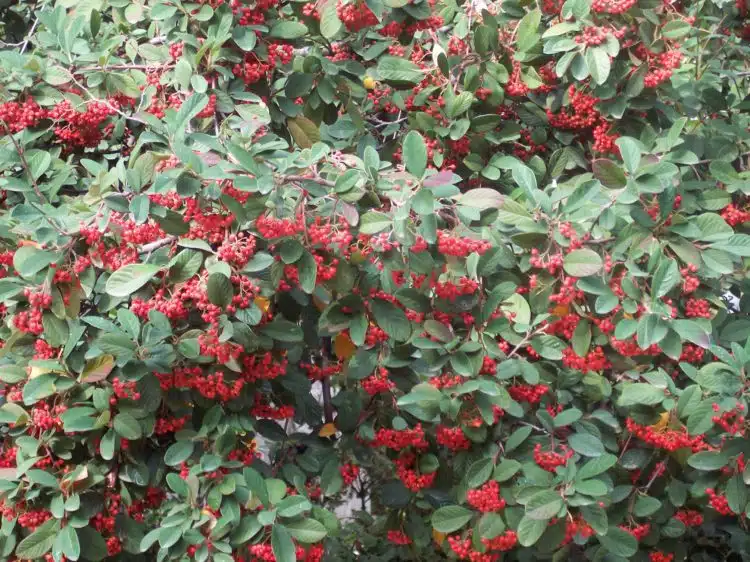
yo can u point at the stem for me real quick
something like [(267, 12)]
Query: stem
[(148, 248), (25, 165), (320, 181)]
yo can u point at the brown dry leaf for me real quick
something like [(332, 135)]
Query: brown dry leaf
[(343, 346), (327, 430), (561, 310)]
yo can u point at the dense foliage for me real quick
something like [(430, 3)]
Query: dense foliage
[(481, 267)]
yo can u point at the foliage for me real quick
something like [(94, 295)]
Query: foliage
[(482, 263)]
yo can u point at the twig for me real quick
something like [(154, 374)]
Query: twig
[(709, 160), (327, 405), (25, 164), (105, 102), (320, 181), (124, 67), (150, 247), (28, 37)]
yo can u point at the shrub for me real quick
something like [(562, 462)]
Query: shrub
[(480, 267)]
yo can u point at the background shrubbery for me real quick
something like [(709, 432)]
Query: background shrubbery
[(477, 268)]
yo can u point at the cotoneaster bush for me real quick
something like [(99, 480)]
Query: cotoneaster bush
[(479, 268)]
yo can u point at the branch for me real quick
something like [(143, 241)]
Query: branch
[(105, 102), (28, 37), (150, 247), (327, 405), (25, 164), (320, 181), (124, 67)]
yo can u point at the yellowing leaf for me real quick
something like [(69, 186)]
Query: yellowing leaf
[(369, 82), (97, 369), (561, 310), (343, 346), (263, 303), (438, 537), (663, 422), (34, 372), (327, 430), (29, 243)]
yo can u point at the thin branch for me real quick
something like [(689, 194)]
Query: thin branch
[(124, 67), (28, 37), (150, 247), (320, 181), (327, 405), (25, 164), (105, 102)]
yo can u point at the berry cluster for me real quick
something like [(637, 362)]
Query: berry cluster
[(530, 393), (356, 15), (550, 460), (400, 439), (668, 439), (452, 438), (487, 498)]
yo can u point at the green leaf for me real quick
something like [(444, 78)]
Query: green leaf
[(283, 330), (246, 530), (178, 452), (700, 418), (307, 530), (619, 542), (646, 505), (399, 70), (737, 244), (736, 493), (38, 543), (479, 472), (676, 28), (391, 319), (330, 24), (130, 278), (651, 329), (526, 32), (288, 30), (28, 260), (373, 222), (544, 505), (127, 426), (282, 545), (191, 107), (586, 444), (595, 516), (219, 289), (640, 393), (582, 263), (304, 131), (609, 173), (293, 505), (691, 331), (530, 530), (93, 546), (666, 277), (415, 154), (631, 153), (68, 542), (597, 466), (708, 460), (450, 518), (599, 64)]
